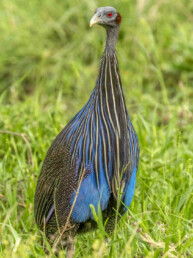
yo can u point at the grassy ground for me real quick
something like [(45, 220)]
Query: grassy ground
[(48, 65)]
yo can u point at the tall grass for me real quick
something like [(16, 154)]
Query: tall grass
[(49, 61)]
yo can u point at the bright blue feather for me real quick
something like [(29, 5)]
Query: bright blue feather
[(89, 193), (129, 191)]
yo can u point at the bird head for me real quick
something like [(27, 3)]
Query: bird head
[(106, 16)]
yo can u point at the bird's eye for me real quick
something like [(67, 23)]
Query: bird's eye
[(109, 14)]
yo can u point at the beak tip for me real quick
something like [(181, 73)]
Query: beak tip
[(94, 20)]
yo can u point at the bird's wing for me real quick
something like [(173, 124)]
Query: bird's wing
[(55, 166)]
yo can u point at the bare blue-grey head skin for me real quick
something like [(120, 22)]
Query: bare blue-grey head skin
[(101, 17), (110, 19)]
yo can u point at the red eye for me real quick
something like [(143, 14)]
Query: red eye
[(109, 14)]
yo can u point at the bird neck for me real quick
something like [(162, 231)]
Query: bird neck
[(109, 93), (112, 35)]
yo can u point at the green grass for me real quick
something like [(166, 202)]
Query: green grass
[(49, 60)]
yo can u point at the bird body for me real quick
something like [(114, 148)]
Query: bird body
[(96, 154)]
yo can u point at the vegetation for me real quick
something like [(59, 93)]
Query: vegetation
[(48, 66)]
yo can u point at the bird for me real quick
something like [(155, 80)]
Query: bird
[(95, 157)]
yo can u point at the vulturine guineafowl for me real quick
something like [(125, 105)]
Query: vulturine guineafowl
[(94, 155)]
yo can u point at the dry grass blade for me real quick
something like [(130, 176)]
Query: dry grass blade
[(146, 238), (44, 230), (68, 218)]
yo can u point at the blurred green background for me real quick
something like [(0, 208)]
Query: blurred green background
[(49, 60)]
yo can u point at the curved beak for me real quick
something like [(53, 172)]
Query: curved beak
[(95, 19)]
